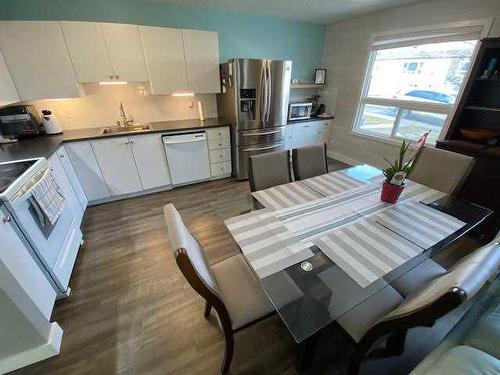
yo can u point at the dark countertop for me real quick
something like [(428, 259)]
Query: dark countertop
[(311, 119), (45, 145)]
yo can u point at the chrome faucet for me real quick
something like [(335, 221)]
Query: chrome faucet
[(124, 121)]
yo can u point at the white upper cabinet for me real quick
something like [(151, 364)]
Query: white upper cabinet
[(125, 51), (38, 59), (201, 49), (105, 52), (88, 51), (164, 53), (8, 92)]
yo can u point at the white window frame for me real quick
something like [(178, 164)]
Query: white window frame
[(447, 109)]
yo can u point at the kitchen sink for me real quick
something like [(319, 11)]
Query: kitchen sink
[(126, 129)]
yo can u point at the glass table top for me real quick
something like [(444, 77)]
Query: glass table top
[(312, 294)]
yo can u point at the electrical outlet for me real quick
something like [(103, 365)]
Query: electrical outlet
[(190, 105)]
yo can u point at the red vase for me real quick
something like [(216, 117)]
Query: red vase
[(390, 193)]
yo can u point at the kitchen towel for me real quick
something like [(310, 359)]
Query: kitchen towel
[(48, 197)]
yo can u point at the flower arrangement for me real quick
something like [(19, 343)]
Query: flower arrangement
[(397, 171)]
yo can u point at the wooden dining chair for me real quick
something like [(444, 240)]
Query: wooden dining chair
[(269, 169), (230, 287), (309, 161), (388, 315), (442, 170)]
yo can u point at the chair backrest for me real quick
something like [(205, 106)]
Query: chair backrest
[(187, 249), (459, 284), (309, 161), (269, 169), (442, 170)]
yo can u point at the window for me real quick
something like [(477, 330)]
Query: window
[(413, 80)]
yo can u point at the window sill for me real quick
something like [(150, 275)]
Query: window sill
[(390, 141)]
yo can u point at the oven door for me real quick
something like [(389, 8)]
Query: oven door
[(54, 245)]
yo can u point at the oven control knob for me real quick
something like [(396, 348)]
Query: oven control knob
[(6, 219)]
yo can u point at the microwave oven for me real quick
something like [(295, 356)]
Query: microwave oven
[(22, 121), (299, 111)]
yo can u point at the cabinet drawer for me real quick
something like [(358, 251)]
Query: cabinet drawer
[(220, 168), (217, 143), (217, 133), (217, 156)]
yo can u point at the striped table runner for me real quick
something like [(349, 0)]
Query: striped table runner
[(366, 251), (420, 224), (266, 243), (331, 183), (287, 195), (313, 219)]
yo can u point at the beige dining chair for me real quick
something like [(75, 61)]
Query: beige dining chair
[(269, 169), (309, 161), (230, 287), (388, 315), (442, 170)]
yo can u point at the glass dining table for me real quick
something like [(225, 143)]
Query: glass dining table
[(315, 291)]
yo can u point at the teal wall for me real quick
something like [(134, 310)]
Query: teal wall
[(239, 35)]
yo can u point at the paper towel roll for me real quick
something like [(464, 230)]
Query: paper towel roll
[(200, 111)]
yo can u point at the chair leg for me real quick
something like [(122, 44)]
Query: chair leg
[(228, 354), (208, 307)]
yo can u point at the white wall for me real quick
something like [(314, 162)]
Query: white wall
[(345, 53), (100, 106)]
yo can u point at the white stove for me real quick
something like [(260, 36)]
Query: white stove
[(54, 247)]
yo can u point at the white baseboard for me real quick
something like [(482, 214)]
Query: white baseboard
[(37, 354), (343, 158)]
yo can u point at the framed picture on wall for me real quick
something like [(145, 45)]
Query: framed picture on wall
[(320, 76)]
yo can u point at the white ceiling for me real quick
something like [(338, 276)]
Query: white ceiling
[(317, 11)]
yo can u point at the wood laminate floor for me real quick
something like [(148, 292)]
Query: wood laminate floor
[(132, 312)]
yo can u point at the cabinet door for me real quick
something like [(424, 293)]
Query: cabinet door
[(17, 259), (62, 180), (8, 92), (73, 178), (302, 134), (201, 49), (38, 59), (125, 51), (88, 52), (316, 132), (115, 159), (85, 164), (150, 159), (164, 54)]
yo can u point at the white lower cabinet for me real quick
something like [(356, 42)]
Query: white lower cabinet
[(85, 164), (310, 132), (73, 178), (117, 165), (219, 152), (150, 159)]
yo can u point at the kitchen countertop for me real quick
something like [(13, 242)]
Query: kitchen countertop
[(311, 119), (45, 145)]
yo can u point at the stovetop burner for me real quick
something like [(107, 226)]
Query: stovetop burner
[(9, 172)]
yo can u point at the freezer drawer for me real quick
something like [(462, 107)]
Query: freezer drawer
[(261, 136)]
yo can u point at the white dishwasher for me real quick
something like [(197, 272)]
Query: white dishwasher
[(187, 157)]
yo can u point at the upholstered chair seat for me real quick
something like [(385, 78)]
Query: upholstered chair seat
[(241, 292)]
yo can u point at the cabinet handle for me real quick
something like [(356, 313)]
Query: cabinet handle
[(6, 219), (131, 141), (61, 156), (110, 77)]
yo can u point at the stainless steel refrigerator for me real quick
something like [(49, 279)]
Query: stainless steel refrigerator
[(254, 98)]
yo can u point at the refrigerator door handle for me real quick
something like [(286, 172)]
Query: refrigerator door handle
[(261, 148), (269, 91), (262, 94)]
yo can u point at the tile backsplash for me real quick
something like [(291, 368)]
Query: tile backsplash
[(99, 107)]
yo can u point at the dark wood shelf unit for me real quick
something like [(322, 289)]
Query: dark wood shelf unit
[(479, 107)]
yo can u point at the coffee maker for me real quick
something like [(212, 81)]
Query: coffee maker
[(21, 121)]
